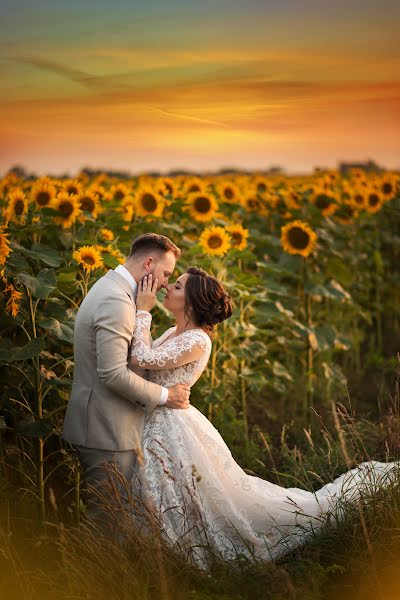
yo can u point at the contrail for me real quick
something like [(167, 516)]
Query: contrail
[(166, 112), (99, 83)]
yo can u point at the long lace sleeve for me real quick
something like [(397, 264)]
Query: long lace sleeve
[(187, 347)]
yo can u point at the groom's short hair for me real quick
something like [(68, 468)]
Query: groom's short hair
[(153, 242)]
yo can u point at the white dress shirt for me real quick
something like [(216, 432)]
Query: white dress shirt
[(121, 270)]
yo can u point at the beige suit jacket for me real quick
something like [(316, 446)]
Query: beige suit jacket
[(108, 402)]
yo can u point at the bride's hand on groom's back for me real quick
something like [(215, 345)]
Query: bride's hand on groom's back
[(146, 294), (178, 396)]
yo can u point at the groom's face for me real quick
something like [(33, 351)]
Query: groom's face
[(162, 267)]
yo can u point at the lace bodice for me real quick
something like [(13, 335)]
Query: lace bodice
[(169, 359)]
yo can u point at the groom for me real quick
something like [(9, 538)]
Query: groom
[(105, 413)]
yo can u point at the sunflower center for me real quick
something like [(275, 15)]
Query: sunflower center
[(373, 199), (89, 260), (298, 238), (118, 195), (194, 188), (19, 207), (387, 188), (202, 204), (237, 238), (149, 203), (72, 189), (359, 198), (87, 204), (66, 209), (322, 201), (347, 211), (43, 198), (214, 241), (261, 187), (169, 188), (252, 203), (228, 193)]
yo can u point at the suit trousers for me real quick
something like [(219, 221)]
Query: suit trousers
[(107, 476)]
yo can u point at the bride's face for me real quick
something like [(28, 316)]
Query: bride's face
[(175, 297)]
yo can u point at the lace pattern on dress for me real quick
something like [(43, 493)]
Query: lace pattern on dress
[(166, 354)]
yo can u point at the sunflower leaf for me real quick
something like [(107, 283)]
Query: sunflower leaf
[(62, 331), (40, 286), (32, 428), (14, 353), (40, 252)]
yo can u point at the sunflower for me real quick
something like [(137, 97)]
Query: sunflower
[(127, 208), (359, 198), (43, 192), (17, 207), (165, 186), (106, 234), (374, 201), (110, 251), (72, 187), (4, 246), (332, 175), (148, 203), (291, 198), (201, 206), (239, 236), (346, 213), (14, 296), (89, 257), (89, 202), (357, 174), (13, 302), (83, 177), (387, 186), (119, 192), (324, 200), (68, 209), (215, 241), (261, 185), (252, 203), (193, 184), (99, 190), (228, 192), (298, 238)]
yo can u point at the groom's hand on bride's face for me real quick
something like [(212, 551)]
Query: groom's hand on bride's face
[(146, 295), (178, 396)]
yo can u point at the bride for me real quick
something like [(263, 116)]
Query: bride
[(204, 501)]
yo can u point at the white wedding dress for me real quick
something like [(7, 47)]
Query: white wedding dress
[(202, 498)]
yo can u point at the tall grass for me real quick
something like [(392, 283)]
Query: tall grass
[(355, 554)]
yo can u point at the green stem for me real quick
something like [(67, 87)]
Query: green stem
[(244, 403), (85, 281), (68, 298), (38, 413), (310, 359), (77, 496)]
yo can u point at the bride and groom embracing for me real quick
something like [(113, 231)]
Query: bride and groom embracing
[(130, 399)]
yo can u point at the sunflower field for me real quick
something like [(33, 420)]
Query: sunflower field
[(312, 263)]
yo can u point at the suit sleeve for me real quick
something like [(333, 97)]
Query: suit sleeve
[(183, 349), (114, 323)]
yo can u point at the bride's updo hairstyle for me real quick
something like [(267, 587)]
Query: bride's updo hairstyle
[(206, 300)]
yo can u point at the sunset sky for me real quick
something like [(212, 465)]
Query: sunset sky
[(203, 85)]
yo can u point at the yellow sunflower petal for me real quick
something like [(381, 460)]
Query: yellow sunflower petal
[(215, 241), (88, 257), (298, 238)]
